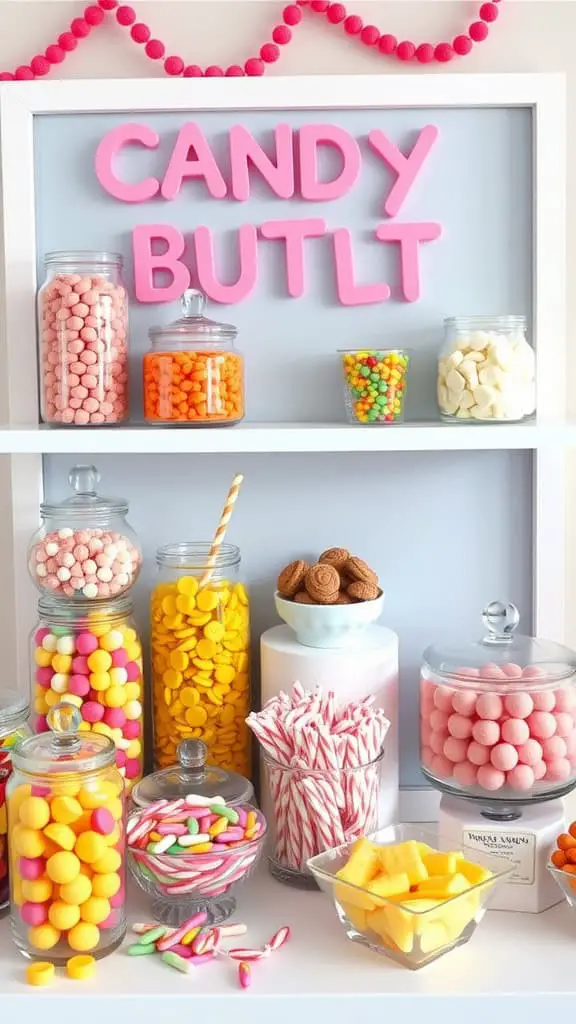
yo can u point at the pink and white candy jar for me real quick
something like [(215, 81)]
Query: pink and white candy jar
[(498, 716), (85, 548)]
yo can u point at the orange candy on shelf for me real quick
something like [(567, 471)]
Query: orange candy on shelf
[(193, 387)]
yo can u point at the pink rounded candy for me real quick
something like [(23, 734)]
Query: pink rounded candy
[(83, 323), (59, 564), (498, 741)]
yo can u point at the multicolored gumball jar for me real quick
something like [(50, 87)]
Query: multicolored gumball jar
[(83, 339), (67, 842), (90, 656), (14, 714), (200, 643), (85, 548), (498, 717)]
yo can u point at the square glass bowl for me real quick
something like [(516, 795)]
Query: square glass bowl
[(566, 882), (411, 936), (374, 384)]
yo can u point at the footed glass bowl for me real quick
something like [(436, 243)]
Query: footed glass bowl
[(412, 935)]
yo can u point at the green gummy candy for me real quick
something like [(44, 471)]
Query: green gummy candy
[(174, 849), (173, 960), (140, 950), (192, 826), (227, 812), (152, 936), (365, 371)]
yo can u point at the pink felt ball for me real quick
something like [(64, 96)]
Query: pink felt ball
[(486, 733), (460, 727), (78, 685), (512, 671), (542, 724), (426, 756), (131, 730), (443, 698), (519, 705), (40, 724), (489, 706), (554, 748), (565, 698), (102, 821), (530, 752), (504, 757), (464, 702), (40, 635), (491, 671), (467, 673), (439, 721), (558, 770), (92, 711), (515, 731), (114, 717), (478, 754), (119, 658), (465, 773), (437, 741), (490, 778), (532, 672), (120, 759), (34, 913), (133, 670), (564, 723), (30, 868), (44, 675), (132, 768), (521, 777), (544, 700), (539, 770), (80, 666), (425, 733), (86, 643), (454, 749), (441, 767)]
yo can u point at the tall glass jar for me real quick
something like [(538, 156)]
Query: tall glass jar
[(83, 339), (486, 370), (192, 373), (84, 548), (14, 714), (91, 657), (66, 820), (200, 642)]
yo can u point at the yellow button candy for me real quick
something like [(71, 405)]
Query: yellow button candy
[(199, 655)]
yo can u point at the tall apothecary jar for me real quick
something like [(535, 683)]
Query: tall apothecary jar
[(67, 842), (200, 641), (14, 714), (83, 339)]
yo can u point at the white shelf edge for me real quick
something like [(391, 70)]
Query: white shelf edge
[(285, 437)]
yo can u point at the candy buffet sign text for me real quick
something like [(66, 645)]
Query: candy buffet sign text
[(292, 171)]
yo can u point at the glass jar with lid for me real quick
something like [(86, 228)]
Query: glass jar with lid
[(84, 548), (498, 716), (191, 775), (199, 652), (67, 842), (14, 714), (90, 657), (192, 373), (486, 370), (83, 339)]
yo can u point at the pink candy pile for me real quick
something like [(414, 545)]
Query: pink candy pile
[(90, 563), (323, 770), (487, 740), (84, 350)]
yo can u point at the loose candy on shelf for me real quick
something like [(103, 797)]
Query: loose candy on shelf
[(324, 776), (6, 744), (90, 562), (210, 867), (375, 384), (244, 975), (40, 973), (505, 743), (488, 375), (83, 350), (81, 967), (200, 655)]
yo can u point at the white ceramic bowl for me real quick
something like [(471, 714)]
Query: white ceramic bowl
[(329, 626)]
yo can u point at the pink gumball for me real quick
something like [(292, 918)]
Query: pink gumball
[(438, 719), (102, 821), (425, 733), (564, 723), (92, 711), (114, 717), (532, 672), (465, 773), (119, 899), (544, 700), (460, 727), (34, 914), (489, 706), (491, 671), (40, 724), (558, 770), (512, 671), (133, 768), (521, 777), (539, 770), (565, 698), (504, 757), (464, 702), (443, 698), (31, 868), (454, 749), (478, 754), (530, 752), (554, 748), (519, 705), (80, 666), (78, 685), (131, 730), (40, 635), (437, 741), (542, 724), (490, 778), (426, 755), (121, 758), (134, 671), (515, 731), (86, 643), (44, 675), (441, 767), (119, 658), (486, 732)]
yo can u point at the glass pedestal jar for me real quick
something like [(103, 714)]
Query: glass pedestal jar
[(90, 657), (200, 642), (67, 842), (14, 713)]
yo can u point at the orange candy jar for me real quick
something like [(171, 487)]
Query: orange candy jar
[(192, 374)]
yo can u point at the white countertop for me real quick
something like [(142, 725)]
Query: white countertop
[(514, 964)]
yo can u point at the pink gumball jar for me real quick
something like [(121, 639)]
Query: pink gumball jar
[(500, 716), (85, 548)]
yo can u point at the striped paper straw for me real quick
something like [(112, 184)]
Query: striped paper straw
[(222, 527)]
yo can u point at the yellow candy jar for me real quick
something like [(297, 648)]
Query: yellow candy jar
[(200, 642), (66, 841)]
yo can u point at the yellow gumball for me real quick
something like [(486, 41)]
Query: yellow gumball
[(99, 661), (133, 691), (16, 798), (90, 847), (113, 837), (112, 641), (78, 891), (43, 936), (95, 910), (62, 663), (61, 835), (114, 805), (37, 891), (115, 696), (110, 862), (63, 867), (66, 787), (63, 915), (83, 937), (106, 886), (28, 842), (100, 680), (65, 809)]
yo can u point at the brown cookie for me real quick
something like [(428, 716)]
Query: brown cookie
[(302, 597), (363, 591), (322, 583), (343, 598), (335, 556), (359, 570), (292, 578)]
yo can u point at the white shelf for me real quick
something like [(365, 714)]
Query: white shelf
[(319, 974), (284, 437)]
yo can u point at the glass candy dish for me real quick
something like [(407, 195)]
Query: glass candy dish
[(566, 882), (410, 936)]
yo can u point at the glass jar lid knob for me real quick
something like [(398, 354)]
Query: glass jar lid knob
[(193, 302), (501, 620), (192, 756), (64, 720), (83, 480)]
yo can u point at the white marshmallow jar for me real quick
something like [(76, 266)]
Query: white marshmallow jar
[(486, 369)]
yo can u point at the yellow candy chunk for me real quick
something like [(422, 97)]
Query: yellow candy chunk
[(214, 631), (403, 858), (80, 967), (474, 873), (356, 916), (389, 885), (392, 923), (207, 600), (90, 846), (40, 973), (61, 835), (187, 585), (441, 863), (360, 868), (440, 887)]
